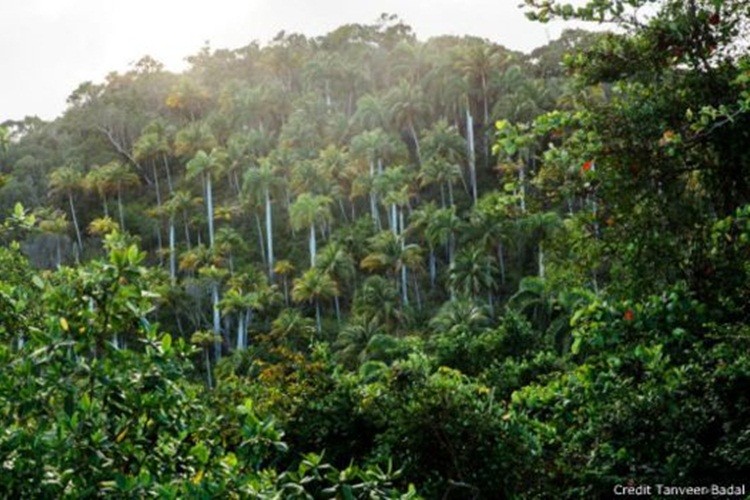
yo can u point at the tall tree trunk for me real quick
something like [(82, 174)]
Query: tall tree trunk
[(472, 157), (433, 267), (240, 331), (217, 319), (312, 245), (75, 221), (541, 260), (210, 209), (501, 262), (187, 229), (317, 316), (207, 362), (157, 189), (260, 238), (404, 282), (374, 198), (269, 234), (120, 211), (172, 252), (415, 137)]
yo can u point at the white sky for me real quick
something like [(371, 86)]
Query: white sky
[(48, 47)]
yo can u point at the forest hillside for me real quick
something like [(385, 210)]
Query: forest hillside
[(363, 265)]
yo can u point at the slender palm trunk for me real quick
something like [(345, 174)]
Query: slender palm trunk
[(404, 282), (157, 189), (414, 136), (187, 229), (337, 305), (217, 319), (260, 238), (75, 221), (317, 316), (373, 198), (269, 234), (120, 211), (312, 245), (240, 331), (433, 267), (417, 291), (58, 250), (472, 158), (169, 174), (210, 209), (541, 260), (172, 251), (501, 262), (207, 362)]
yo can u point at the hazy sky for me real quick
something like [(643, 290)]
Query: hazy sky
[(48, 47)]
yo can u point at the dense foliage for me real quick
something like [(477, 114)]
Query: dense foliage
[(366, 266)]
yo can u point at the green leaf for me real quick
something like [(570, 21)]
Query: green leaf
[(201, 453), (166, 342)]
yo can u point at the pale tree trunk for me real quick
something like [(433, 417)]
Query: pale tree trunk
[(217, 319), (269, 234), (317, 316), (433, 267), (210, 209), (404, 286), (172, 252), (207, 361), (75, 222), (413, 131), (373, 198), (312, 245), (240, 331), (501, 262), (541, 260), (158, 205), (472, 158), (120, 211), (260, 239)]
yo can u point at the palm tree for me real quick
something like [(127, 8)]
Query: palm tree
[(313, 286), (462, 313), (204, 339), (373, 146), (421, 219), (206, 165), (195, 137), (444, 150), (215, 276), (293, 329), (540, 226), (121, 176), (66, 180), (407, 105), (339, 264), (391, 255), (285, 269), (308, 210), (443, 229), (259, 182), (56, 224), (377, 300), (99, 180), (351, 344), (473, 272)]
